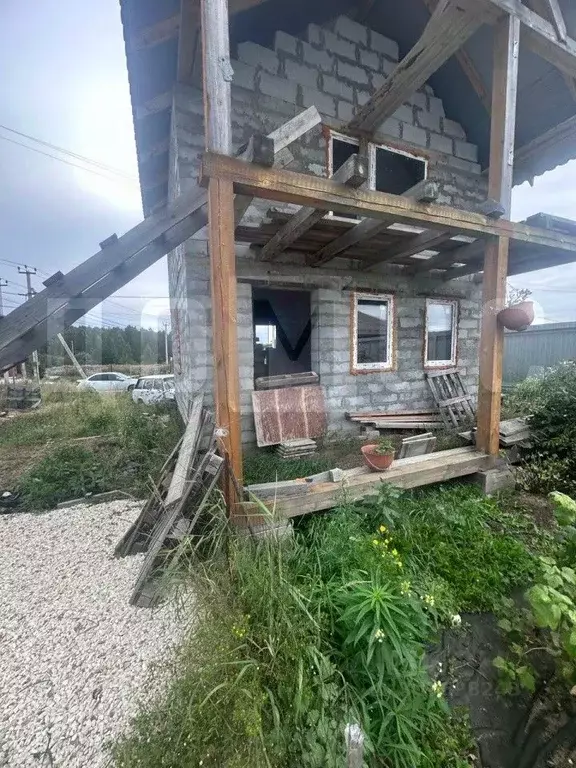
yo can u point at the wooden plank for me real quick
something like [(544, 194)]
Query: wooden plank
[(504, 96), (404, 473), (427, 240), (452, 22), (541, 36), (189, 42), (305, 189), (281, 139), (353, 174), (390, 424), (217, 80), (468, 67), (294, 128), (366, 229), (187, 453)]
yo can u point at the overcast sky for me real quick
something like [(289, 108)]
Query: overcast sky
[(64, 81)]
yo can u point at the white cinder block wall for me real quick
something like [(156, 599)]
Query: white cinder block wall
[(336, 68)]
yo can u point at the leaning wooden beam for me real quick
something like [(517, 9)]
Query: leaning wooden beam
[(306, 189), (451, 24), (217, 82), (281, 139), (353, 174), (465, 253), (426, 191), (25, 318), (468, 67), (541, 36), (502, 134)]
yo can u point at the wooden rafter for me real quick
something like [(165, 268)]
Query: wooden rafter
[(427, 240), (540, 35), (169, 28), (550, 10), (425, 191), (467, 66), (304, 189), (451, 24), (353, 174)]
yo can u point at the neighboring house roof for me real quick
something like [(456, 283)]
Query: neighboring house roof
[(544, 96)]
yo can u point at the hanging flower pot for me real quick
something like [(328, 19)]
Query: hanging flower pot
[(378, 456), (518, 317)]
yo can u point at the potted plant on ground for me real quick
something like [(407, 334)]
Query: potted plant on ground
[(519, 312), (379, 456)]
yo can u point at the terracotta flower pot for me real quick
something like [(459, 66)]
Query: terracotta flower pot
[(378, 462), (517, 317)]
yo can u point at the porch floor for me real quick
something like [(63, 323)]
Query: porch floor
[(404, 473)]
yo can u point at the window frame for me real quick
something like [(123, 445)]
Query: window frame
[(373, 146), (381, 367), (438, 364)]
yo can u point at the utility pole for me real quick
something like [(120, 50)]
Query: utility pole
[(166, 324), (3, 284), (30, 292)]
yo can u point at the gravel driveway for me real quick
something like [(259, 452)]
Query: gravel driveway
[(73, 653)]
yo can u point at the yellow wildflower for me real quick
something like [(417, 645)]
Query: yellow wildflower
[(382, 529)]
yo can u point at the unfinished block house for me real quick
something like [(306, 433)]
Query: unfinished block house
[(332, 182), (358, 158)]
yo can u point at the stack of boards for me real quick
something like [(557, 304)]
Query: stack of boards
[(297, 449), (187, 481)]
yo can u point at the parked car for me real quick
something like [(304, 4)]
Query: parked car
[(154, 389), (111, 381)]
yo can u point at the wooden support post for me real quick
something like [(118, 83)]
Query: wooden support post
[(504, 94), (217, 74)]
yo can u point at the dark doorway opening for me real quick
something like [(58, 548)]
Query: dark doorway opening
[(282, 331)]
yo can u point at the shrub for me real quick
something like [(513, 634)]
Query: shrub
[(297, 638), (67, 473)]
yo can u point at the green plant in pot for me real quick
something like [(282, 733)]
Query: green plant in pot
[(519, 312), (379, 456)]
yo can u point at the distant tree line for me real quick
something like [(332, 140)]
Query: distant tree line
[(108, 346)]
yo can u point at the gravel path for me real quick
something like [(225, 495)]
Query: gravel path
[(73, 653)]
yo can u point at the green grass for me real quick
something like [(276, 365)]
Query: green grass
[(132, 445), (266, 467), (295, 639)]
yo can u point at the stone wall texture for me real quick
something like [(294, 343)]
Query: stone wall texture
[(335, 68)]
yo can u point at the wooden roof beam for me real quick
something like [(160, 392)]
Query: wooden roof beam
[(305, 189), (353, 174), (541, 36), (468, 67), (425, 191), (550, 10), (451, 24)]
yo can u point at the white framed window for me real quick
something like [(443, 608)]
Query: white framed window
[(372, 332), (441, 333)]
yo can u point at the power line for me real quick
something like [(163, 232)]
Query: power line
[(68, 152), (62, 160)]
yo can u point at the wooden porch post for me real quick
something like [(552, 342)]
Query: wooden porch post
[(504, 92), (217, 78)]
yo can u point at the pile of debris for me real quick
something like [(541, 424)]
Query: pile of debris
[(187, 481), (297, 449)]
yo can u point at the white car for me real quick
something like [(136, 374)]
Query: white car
[(150, 390), (111, 381)]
